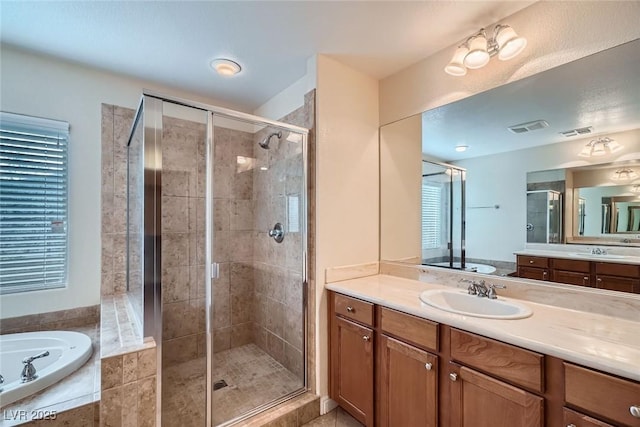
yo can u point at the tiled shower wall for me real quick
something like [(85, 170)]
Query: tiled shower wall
[(278, 191)]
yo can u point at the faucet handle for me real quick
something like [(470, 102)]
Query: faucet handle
[(492, 290)]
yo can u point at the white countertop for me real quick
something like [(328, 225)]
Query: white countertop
[(601, 342), (584, 256)]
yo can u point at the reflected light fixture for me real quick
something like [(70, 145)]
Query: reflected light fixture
[(477, 50), (225, 67), (600, 147), (635, 188), (624, 174)]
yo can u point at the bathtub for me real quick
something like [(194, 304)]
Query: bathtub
[(68, 351), (470, 266)]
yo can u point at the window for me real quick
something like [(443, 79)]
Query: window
[(431, 206), (33, 203)]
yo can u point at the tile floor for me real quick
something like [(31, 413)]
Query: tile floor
[(336, 418), (253, 377)]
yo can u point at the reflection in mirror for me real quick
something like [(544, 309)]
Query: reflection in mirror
[(540, 123)]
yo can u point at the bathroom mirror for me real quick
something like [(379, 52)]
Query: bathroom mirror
[(540, 123)]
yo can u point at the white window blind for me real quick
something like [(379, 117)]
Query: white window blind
[(33, 203), (431, 219)]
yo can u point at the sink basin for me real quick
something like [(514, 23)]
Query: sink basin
[(603, 256), (457, 301)]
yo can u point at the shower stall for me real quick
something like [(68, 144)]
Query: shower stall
[(216, 259), (443, 215)]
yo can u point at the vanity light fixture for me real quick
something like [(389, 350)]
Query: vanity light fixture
[(477, 50), (600, 147), (635, 188), (624, 174), (225, 67)]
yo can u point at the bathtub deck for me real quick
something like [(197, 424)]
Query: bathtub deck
[(80, 388)]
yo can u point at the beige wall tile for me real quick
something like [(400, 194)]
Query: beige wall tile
[(175, 284), (129, 367), (147, 363), (111, 372), (111, 407), (146, 400)]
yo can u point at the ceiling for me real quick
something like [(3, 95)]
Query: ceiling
[(171, 42), (601, 90)]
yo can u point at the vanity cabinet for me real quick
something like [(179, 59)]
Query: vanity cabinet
[(389, 368), (352, 350), (602, 275)]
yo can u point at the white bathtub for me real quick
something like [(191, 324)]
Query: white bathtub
[(68, 351), (470, 266)]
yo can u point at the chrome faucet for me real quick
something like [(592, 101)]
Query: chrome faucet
[(29, 371), (480, 288), (598, 251)]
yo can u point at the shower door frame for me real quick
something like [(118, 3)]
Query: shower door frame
[(151, 106)]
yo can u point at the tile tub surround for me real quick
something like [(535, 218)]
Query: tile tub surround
[(54, 320), (80, 389), (598, 341), (128, 389)]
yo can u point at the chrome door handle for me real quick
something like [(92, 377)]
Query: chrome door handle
[(453, 376), (350, 309), (366, 337), (428, 366)]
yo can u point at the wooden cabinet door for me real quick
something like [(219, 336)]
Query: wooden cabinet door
[(352, 368), (533, 273), (478, 400), (571, 277), (408, 394), (614, 283)]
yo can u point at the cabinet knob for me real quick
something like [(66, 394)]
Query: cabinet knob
[(635, 411), (350, 309), (571, 425), (544, 275), (366, 337), (599, 279), (453, 376), (428, 366), (530, 261)]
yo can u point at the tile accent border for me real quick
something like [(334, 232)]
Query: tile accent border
[(54, 320)]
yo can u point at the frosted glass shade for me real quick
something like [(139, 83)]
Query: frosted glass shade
[(456, 66), (509, 44), (478, 56)]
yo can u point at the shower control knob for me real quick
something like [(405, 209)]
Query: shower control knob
[(277, 233)]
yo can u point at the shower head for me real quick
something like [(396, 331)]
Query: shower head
[(265, 142)]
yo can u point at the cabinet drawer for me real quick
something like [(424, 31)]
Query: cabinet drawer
[(571, 265), (602, 394), (613, 269), (533, 261), (352, 308), (409, 328), (571, 277), (616, 283), (576, 419), (514, 364), (533, 273)]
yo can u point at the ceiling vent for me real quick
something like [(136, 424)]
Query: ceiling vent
[(528, 127), (579, 131)]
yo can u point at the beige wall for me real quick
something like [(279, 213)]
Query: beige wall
[(400, 189), (347, 181), (557, 33)]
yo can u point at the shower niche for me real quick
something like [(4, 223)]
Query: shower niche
[(223, 299)]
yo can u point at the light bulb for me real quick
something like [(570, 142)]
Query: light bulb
[(509, 43)]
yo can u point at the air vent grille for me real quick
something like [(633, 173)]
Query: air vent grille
[(578, 131), (528, 127)]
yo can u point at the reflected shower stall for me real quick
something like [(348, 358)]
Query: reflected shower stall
[(443, 215), (217, 257), (544, 216)]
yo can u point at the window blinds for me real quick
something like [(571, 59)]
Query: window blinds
[(33, 203), (431, 219)]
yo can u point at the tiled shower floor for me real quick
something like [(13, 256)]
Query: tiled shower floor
[(253, 377)]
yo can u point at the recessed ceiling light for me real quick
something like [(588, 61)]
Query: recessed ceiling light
[(225, 67), (461, 148)]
